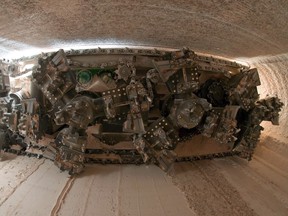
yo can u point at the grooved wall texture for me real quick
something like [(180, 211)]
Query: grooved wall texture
[(244, 28)]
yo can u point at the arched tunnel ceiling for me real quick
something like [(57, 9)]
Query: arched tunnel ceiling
[(245, 28), (250, 30)]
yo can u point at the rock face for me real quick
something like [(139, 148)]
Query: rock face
[(274, 81)]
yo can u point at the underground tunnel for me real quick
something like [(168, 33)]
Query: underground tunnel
[(251, 33)]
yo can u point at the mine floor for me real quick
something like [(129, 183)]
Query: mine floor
[(229, 186)]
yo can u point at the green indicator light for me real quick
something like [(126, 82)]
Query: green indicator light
[(84, 76)]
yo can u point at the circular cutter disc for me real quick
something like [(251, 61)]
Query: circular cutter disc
[(84, 77), (189, 114)]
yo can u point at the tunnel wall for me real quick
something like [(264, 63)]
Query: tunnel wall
[(273, 146), (274, 79)]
